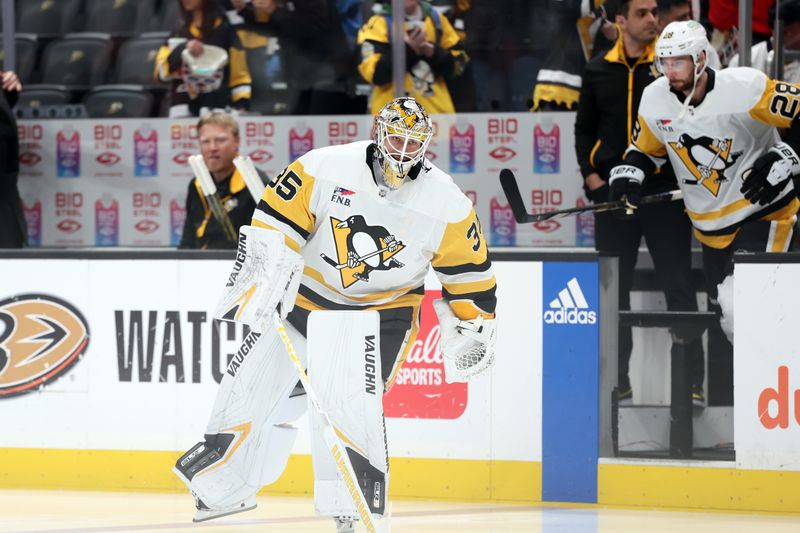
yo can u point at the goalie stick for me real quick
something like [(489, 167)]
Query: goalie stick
[(331, 435), (509, 183), (203, 176)]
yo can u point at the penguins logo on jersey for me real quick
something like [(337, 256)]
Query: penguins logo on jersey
[(706, 159), (41, 338), (361, 248)]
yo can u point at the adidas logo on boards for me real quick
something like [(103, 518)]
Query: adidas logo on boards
[(570, 307)]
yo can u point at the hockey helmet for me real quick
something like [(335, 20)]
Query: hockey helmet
[(204, 73), (401, 133), (682, 38)]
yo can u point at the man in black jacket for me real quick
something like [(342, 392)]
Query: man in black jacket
[(12, 223), (612, 87), (218, 134)]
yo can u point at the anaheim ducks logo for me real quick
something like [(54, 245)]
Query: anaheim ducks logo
[(361, 248), (41, 337), (706, 159)]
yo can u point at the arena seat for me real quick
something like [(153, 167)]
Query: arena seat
[(48, 18), (135, 62), (118, 101), (170, 18), (78, 60), (26, 49), (43, 101), (120, 18)]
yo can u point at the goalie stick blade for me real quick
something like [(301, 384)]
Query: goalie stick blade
[(510, 187)]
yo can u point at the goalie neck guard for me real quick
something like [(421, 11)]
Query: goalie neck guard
[(402, 132)]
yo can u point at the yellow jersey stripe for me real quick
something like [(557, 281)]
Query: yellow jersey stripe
[(729, 209), (470, 287), (373, 297), (783, 233), (291, 243)]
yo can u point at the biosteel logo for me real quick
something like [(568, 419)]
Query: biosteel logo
[(181, 158), (419, 389), (69, 225), (503, 153), (547, 226), (29, 159), (570, 307), (146, 226), (108, 159), (260, 156), (780, 398)]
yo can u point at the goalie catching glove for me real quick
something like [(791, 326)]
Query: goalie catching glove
[(467, 345), (770, 174), (265, 277)]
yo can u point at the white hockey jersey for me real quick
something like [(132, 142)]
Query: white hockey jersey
[(362, 250), (712, 145)]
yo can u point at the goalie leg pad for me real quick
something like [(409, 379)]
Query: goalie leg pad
[(254, 398), (279, 437), (345, 370)]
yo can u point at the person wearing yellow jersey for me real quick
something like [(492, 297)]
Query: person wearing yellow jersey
[(433, 53), (364, 222), (204, 62), (219, 144)]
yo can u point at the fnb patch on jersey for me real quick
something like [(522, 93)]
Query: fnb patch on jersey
[(340, 195)]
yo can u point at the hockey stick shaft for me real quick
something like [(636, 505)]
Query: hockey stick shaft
[(203, 176), (521, 215), (250, 176), (332, 439)]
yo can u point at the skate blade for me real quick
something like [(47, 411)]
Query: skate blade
[(203, 516)]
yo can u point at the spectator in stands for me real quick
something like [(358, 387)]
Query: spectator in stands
[(193, 60), (318, 60), (13, 230), (485, 82), (681, 11), (673, 10), (219, 144), (724, 16), (609, 100), (433, 52), (581, 35), (558, 83)]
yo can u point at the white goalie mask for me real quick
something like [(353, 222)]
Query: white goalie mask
[(683, 38), (204, 73), (401, 133)]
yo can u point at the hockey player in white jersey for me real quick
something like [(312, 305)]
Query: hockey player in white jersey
[(719, 131), (364, 221)]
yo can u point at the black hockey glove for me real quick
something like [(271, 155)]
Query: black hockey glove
[(626, 184), (770, 174)]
